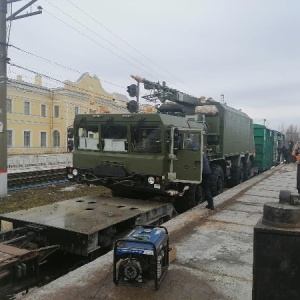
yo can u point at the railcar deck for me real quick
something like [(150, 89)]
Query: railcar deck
[(84, 225)]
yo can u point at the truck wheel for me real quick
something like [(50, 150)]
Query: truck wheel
[(216, 180), (247, 171), (188, 200), (199, 194), (237, 175)]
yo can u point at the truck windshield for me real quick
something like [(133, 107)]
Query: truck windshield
[(114, 138), (191, 141), (146, 139), (88, 137)]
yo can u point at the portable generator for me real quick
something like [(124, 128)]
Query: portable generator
[(142, 257)]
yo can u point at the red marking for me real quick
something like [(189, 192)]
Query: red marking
[(3, 171)]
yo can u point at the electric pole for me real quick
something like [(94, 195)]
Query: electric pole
[(3, 82), (3, 79)]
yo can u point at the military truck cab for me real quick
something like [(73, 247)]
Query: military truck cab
[(139, 155)]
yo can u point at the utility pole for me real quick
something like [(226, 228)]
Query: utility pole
[(3, 79), (3, 82)]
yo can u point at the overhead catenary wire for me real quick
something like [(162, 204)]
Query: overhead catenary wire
[(107, 41), (63, 82), (59, 65), (128, 44), (84, 91), (68, 68), (93, 40)]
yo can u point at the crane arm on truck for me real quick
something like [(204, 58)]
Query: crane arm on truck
[(162, 93)]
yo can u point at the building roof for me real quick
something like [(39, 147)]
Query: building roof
[(121, 97)]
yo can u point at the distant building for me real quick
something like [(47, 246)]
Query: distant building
[(38, 117)]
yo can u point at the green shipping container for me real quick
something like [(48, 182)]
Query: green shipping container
[(267, 143)]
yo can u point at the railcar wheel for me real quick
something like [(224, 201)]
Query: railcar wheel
[(216, 180)]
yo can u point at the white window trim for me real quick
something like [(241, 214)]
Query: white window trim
[(30, 140), (11, 100), (54, 139), (41, 139), (12, 138), (54, 111), (45, 110), (26, 101)]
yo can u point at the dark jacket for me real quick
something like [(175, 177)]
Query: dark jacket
[(206, 168)]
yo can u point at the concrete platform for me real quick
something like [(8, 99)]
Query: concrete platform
[(214, 250)]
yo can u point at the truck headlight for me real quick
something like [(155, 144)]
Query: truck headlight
[(151, 180)]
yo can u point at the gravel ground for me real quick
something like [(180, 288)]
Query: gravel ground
[(25, 199)]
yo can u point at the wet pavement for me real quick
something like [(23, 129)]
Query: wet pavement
[(214, 250)]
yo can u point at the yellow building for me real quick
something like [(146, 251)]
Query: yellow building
[(38, 117)]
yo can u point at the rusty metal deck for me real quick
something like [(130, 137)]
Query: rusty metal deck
[(18, 269), (77, 224), (84, 215)]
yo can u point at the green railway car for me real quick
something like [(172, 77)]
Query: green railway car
[(268, 144)]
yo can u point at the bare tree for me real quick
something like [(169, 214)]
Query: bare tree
[(292, 134)]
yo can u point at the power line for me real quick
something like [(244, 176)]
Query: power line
[(63, 82), (117, 36), (88, 37), (97, 34), (58, 64)]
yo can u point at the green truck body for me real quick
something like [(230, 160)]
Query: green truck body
[(146, 154)]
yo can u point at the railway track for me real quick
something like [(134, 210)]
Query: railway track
[(26, 180)]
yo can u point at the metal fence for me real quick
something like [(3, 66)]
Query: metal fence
[(19, 163)]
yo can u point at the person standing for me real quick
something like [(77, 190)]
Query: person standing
[(206, 173)]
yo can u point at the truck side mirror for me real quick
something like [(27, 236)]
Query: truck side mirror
[(176, 141)]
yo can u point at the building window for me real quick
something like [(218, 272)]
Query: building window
[(56, 138), (9, 106), (76, 110), (43, 139), (27, 139), (26, 108), (43, 110), (9, 138), (56, 111)]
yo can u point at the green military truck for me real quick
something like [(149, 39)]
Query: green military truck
[(146, 154)]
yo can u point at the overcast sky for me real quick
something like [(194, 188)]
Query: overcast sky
[(247, 50)]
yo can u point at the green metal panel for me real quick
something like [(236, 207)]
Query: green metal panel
[(265, 147), (234, 128)]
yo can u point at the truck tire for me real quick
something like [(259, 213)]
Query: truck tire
[(188, 200), (237, 175), (216, 180), (199, 194), (247, 171)]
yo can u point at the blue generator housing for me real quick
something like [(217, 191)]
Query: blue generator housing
[(142, 257)]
